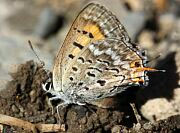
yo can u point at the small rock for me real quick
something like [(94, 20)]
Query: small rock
[(33, 95), (116, 129), (83, 120), (137, 126), (51, 120), (147, 126), (166, 22), (119, 129), (15, 109), (146, 39)]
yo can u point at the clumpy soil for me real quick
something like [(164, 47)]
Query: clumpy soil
[(25, 99)]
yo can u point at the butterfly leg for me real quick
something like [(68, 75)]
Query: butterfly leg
[(54, 98), (62, 105)]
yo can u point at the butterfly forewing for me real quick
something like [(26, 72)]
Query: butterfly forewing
[(87, 27)]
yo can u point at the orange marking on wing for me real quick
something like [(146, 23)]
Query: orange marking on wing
[(94, 29), (136, 77), (83, 40)]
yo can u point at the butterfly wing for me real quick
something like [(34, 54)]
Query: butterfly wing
[(108, 68), (93, 23)]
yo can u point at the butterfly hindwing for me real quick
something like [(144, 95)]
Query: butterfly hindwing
[(104, 71)]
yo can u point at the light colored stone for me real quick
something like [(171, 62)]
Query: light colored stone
[(146, 39), (160, 108)]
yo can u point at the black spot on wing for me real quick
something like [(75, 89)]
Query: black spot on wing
[(137, 64), (89, 61), (91, 74), (74, 69), (71, 78), (71, 56), (84, 32), (78, 45), (100, 95), (101, 82), (91, 35), (80, 83), (81, 59), (86, 88), (103, 61), (94, 68), (115, 69)]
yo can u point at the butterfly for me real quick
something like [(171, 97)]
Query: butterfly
[(97, 60)]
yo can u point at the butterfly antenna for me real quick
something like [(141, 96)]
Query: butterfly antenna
[(31, 46), (148, 61), (151, 69)]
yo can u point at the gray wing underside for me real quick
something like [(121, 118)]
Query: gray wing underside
[(101, 70)]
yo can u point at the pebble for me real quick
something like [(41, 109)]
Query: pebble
[(15, 109)]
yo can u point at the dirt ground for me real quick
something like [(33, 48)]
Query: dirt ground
[(25, 99)]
